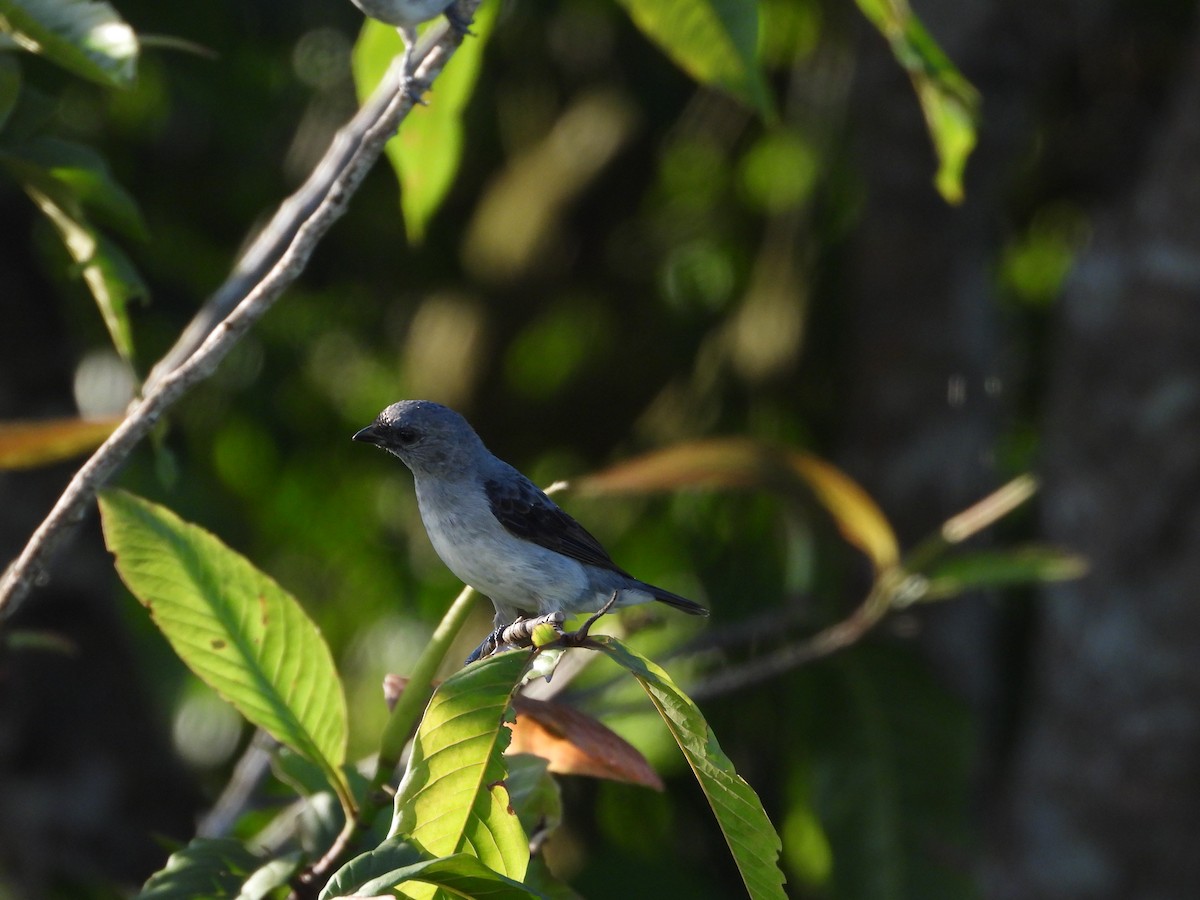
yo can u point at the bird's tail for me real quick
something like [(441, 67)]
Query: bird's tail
[(683, 604)]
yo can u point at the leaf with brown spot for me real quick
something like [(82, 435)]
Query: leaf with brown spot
[(206, 600)]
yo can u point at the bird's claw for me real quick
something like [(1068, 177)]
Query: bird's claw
[(416, 88), (491, 644), (518, 633), (576, 638), (458, 22)]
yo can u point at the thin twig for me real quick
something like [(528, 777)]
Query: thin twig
[(824, 643), (271, 264), (247, 775)]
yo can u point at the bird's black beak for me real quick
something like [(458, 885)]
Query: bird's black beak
[(369, 435)]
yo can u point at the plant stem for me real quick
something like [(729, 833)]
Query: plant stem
[(416, 694)]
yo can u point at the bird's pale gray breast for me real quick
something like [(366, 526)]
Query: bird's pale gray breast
[(514, 573), (402, 12)]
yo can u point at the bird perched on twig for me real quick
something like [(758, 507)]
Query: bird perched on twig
[(496, 530), (406, 15)]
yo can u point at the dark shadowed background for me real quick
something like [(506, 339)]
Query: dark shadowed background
[(626, 261)]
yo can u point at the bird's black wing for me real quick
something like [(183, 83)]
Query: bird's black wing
[(526, 512)]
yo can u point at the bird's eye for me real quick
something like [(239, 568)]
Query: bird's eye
[(407, 436)]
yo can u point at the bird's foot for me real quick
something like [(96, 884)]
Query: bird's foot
[(414, 87), (576, 638), (459, 22), (519, 633), (486, 647)]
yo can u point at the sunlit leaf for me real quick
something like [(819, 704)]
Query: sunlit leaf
[(427, 151), (742, 463), (740, 814), (207, 867), (949, 102), (24, 445), (86, 37), (238, 630), (452, 798), (573, 743), (714, 41), (395, 862), (953, 575)]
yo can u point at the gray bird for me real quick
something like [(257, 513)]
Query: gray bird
[(406, 15), (495, 529)]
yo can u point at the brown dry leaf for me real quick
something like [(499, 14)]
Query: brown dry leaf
[(744, 463), (576, 744), (858, 517), (24, 445), (719, 462)]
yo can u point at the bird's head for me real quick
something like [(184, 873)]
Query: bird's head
[(431, 439)]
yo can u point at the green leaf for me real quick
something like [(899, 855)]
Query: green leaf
[(64, 179), (713, 41), (83, 173), (533, 793), (85, 37), (453, 796), (949, 102), (238, 630), (1001, 568), (107, 271), (207, 867), (395, 861), (748, 831), (426, 153), (269, 877)]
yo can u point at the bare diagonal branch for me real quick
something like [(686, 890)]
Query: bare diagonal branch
[(273, 261)]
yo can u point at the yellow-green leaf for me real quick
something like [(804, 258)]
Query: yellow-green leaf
[(714, 41), (948, 101), (239, 631), (739, 812), (379, 872), (452, 798), (428, 149)]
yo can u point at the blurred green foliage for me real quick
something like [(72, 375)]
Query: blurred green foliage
[(622, 259)]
